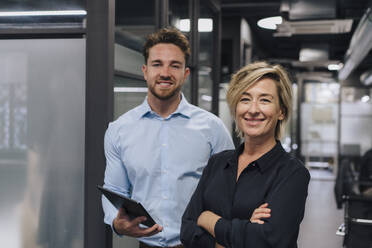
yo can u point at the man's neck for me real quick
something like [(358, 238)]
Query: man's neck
[(164, 107)]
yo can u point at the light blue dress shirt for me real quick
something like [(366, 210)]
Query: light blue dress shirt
[(158, 162)]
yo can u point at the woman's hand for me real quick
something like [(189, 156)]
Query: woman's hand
[(259, 213), (208, 220)]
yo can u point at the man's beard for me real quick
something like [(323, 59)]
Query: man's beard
[(167, 96)]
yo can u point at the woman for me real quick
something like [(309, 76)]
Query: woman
[(253, 196)]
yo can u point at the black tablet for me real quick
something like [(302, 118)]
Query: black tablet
[(132, 207)]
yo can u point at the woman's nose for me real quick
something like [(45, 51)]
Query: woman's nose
[(253, 107)]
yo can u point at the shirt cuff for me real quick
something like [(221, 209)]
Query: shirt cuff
[(222, 231)]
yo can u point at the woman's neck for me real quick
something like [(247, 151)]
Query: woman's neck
[(257, 147)]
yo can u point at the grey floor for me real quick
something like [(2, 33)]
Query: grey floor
[(322, 218)]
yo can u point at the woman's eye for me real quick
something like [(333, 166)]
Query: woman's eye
[(265, 100), (245, 99)]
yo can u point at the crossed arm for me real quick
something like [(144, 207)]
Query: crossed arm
[(207, 219), (283, 213)]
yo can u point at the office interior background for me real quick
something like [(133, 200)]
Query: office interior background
[(69, 67)]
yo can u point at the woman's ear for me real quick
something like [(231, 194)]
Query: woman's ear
[(281, 114)]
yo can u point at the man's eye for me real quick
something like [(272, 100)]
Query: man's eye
[(176, 66), (155, 65)]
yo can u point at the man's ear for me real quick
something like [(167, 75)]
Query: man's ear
[(187, 73), (144, 70)]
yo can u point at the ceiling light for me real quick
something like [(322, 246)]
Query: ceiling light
[(44, 13), (204, 25), (365, 98), (270, 22), (366, 78), (334, 67)]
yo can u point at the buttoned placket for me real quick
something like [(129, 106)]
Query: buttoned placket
[(249, 169), (164, 168)]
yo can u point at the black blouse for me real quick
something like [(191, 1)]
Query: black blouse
[(275, 178)]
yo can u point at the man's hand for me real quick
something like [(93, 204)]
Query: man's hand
[(259, 213), (125, 226)]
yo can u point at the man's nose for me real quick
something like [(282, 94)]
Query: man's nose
[(164, 72)]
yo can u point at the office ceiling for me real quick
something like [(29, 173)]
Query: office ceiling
[(287, 48)]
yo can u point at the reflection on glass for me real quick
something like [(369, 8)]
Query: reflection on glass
[(134, 20), (21, 5), (178, 14), (53, 12), (205, 57), (128, 93), (42, 89)]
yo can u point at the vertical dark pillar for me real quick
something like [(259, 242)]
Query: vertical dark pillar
[(194, 40), (216, 78), (161, 12), (99, 111)]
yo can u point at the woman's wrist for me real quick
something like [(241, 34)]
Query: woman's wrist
[(208, 220)]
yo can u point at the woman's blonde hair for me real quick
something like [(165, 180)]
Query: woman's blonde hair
[(251, 74)]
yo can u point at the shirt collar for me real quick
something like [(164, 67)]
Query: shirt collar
[(183, 109), (264, 162)]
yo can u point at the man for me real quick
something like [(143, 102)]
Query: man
[(156, 152)]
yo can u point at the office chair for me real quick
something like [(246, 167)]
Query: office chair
[(353, 188), (358, 221)]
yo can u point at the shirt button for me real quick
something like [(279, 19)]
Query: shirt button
[(164, 144), (165, 197)]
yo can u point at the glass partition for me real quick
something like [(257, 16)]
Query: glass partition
[(319, 124), (128, 93), (205, 28), (179, 17), (42, 126), (133, 22), (356, 119)]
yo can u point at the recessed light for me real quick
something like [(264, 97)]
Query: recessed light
[(334, 67), (270, 22)]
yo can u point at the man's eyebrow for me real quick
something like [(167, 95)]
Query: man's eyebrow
[(156, 61), (171, 62)]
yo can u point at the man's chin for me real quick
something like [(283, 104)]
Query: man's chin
[(165, 95)]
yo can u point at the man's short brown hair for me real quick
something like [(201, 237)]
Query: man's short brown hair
[(167, 35)]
